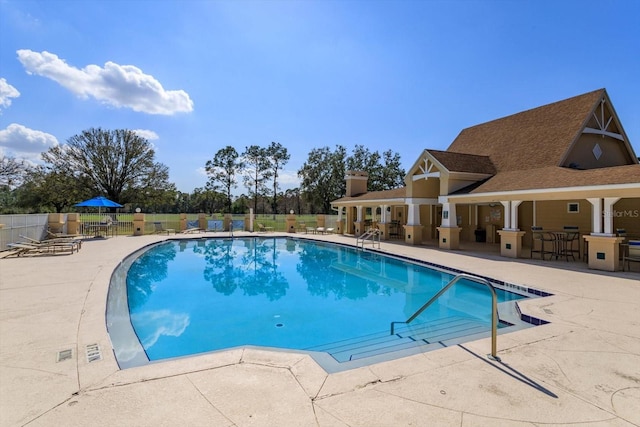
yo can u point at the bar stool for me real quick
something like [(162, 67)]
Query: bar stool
[(622, 232), (573, 236), (537, 233)]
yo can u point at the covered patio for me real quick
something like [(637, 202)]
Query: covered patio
[(563, 166)]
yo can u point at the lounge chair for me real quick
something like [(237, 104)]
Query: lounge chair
[(192, 230), (159, 229), (263, 229), (632, 254), (23, 248), (320, 230), (74, 244), (330, 230)]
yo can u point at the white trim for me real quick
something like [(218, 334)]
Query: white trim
[(426, 176), (632, 185), (604, 133)]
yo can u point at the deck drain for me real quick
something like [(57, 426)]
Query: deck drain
[(93, 353), (64, 355)]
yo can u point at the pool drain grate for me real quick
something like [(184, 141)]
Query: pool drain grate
[(93, 353), (64, 355)]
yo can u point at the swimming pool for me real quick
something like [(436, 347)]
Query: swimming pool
[(184, 297)]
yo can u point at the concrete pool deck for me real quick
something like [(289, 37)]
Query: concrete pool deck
[(582, 368)]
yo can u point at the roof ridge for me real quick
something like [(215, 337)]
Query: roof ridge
[(533, 109)]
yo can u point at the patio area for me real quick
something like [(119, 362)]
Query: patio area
[(581, 368)]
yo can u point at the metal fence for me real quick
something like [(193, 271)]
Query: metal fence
[(35, 226)]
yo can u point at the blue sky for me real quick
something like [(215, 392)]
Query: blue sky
[(196, 76)]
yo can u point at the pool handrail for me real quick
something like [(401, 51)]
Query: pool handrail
[(494, 309), (370, 234)]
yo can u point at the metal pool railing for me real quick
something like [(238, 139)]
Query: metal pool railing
[(494, 309)]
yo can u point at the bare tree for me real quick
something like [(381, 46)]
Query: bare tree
[(12, 171)]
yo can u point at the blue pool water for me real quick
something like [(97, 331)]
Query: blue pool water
[(192, 296)]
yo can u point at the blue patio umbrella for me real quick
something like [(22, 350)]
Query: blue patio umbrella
[(99, 202)]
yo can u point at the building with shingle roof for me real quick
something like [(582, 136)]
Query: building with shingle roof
[(568, 163)]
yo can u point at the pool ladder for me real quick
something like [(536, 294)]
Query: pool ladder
[(494, 309), (372, 234)]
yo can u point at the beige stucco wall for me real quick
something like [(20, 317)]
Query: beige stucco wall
[(626, 215), (614, 152), (429, 188)]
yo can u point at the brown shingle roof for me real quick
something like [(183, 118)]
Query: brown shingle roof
[(558, 177), (396, 193), (462, 162), (531, 139)]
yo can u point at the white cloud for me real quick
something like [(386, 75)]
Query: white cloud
[(6, 93), (116, 85), (288, 179), (149, 135), (23, 143)]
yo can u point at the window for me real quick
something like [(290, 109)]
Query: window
[(573, 207)]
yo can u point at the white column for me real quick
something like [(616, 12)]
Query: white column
[(534, 213), (413, 215), (608, 214), (251, 219), (514, 214), (340, 213), (596, 215), (359, 211), (507, 215), (449, 215)]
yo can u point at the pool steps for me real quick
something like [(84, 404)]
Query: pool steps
[(441, 333)]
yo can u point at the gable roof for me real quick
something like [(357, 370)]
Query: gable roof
[(531, 139), (397, 194), (462, 162)]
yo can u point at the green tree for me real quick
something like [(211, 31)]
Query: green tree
[(45, 189), (154, 192), (385, 172), (322, 177), (206, 200), (278, 156), (222, 171), (392, 174), (116, 163), (255, 172)]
